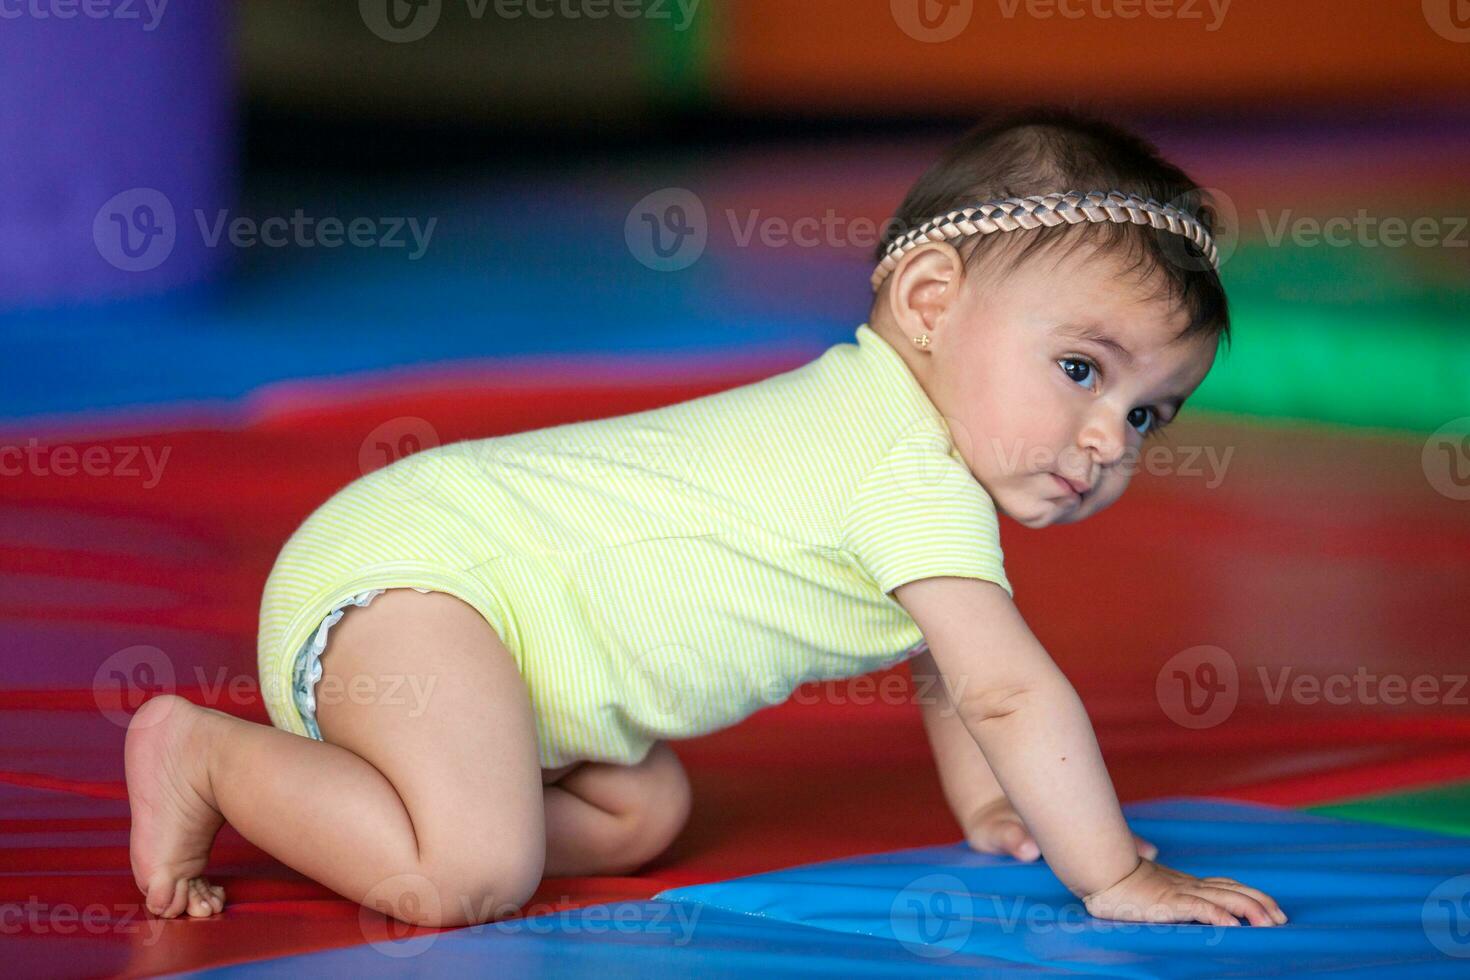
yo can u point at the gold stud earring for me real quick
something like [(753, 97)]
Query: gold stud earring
[(922, 341)]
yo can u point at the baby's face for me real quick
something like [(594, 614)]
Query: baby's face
[(1037, 401)]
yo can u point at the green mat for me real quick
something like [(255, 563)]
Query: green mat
[(1443, 809), (1356, 336)]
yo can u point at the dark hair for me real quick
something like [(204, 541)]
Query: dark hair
[(1032, 150)]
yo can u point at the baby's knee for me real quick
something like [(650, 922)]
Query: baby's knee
[(460, 893)]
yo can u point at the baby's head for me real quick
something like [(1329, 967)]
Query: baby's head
[(1053, 352)]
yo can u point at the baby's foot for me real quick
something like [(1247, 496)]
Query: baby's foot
[(174, 818)]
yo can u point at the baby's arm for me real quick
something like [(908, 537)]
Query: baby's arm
[(1030, 725), (991, 824)]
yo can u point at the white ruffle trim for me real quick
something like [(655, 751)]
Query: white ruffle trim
[(307, 669)]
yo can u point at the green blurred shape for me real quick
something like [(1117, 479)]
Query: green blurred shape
[(680, 61), (1444, 809), (1357, 336)]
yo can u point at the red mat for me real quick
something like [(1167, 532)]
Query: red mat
[(1319, 551)]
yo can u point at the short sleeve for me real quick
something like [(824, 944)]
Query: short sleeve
[(920, 513)]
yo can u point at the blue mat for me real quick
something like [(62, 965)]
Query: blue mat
[(1364, 900)]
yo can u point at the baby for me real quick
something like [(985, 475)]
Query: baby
[(475, 659)]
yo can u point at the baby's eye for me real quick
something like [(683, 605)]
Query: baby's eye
[(1144, 416), (1079, 371)]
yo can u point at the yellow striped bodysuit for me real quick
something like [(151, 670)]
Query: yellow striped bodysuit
[(662, 574)]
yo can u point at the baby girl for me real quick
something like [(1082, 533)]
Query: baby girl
[(475, 659)]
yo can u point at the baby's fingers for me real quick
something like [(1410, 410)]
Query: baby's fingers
[(1237, 903), (1197, 908), (1270, 903)]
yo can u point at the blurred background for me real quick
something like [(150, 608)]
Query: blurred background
[(250, 251), (517, 136)]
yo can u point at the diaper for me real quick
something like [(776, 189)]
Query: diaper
[(306, 670)]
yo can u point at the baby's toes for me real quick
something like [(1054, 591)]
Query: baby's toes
[(200, 899), (167, 897)]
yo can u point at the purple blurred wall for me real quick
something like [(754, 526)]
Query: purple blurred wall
[(117, 123)]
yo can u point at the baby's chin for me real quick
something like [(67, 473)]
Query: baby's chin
[(1037, 514)]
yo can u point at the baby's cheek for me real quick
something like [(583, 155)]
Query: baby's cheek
[(1108, 492)]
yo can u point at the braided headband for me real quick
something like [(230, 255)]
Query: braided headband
[(1072, 207)]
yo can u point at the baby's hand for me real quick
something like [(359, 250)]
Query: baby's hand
[(996, 828), (1154, 893)]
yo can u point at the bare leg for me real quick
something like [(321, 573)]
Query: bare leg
[(427, 806), (610, 819)]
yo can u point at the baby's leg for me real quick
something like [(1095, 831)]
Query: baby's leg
[(428, 808), (604, 819)]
